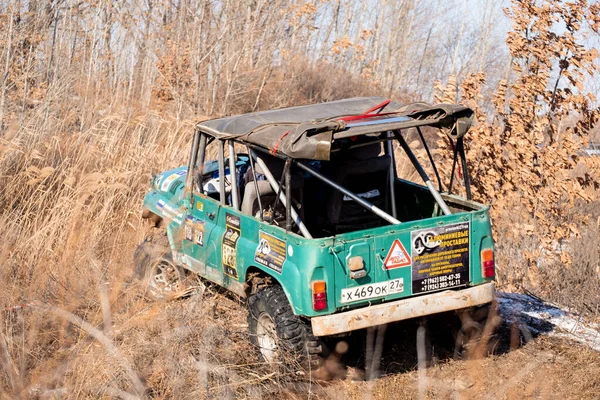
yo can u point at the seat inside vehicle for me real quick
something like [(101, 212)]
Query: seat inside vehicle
[(250, 203), (211, 179), (364, 172)]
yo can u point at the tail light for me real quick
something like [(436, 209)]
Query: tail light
[(487, 263), (319, 295)]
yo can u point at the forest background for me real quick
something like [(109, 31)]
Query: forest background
[(97, 96)]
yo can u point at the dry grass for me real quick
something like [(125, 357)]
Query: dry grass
[(73, 200), (577, 285), (523, 264), (70, 220), (69, 223)]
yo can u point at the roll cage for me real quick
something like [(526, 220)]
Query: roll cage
[(373, 125)]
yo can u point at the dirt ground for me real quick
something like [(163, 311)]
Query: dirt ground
[(198, 347), (543, 368), (528, 356)]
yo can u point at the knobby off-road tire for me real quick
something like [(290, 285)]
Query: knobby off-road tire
[(161, 278), (279, 334), (472, 327)]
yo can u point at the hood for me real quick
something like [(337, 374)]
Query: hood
[(169, 182)]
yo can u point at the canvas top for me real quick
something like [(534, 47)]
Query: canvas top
[(307, 132)]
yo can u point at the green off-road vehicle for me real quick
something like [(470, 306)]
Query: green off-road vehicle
[(303, 215)]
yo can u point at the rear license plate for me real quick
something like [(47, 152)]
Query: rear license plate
[(373, 290)]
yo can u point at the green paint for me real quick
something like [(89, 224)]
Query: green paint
[(306, 260)]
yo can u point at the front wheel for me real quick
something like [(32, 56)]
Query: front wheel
[(279, 334), (154, 266)]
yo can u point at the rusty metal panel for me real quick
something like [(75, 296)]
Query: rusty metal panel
[(402, 309)]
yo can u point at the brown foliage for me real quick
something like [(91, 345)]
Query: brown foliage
[(527, 157), (77, 154)]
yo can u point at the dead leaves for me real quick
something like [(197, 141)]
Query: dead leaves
[(530, 155)]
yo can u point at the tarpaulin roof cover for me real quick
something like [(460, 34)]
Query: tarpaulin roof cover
[(306, 132)]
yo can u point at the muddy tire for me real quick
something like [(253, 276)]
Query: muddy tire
[(474, 329), (161, 278), (279, 335)]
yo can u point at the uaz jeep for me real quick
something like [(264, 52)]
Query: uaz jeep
[(302, 213)]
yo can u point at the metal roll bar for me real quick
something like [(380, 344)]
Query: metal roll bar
[(260, 209), (235, 197), (273, 182), (285, 195), (189, 178), (221, 173), (378, 211), (390, 151), (422, 173)]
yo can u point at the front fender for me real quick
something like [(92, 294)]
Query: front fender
[(157, 203)]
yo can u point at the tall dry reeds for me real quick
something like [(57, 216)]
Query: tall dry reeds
[(95, 98), (70, 219), (73, 322), (74, 198)]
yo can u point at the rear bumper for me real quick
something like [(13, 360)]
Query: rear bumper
[(402, 309)]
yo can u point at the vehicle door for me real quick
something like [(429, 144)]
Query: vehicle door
[(199, 222), (383, 259), (417, 258)]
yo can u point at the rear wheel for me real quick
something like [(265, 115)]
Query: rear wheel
[(474, 330), (266, 337), (279, 335)]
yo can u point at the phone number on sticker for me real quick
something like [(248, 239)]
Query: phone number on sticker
[(365, 292), (441, 282)]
